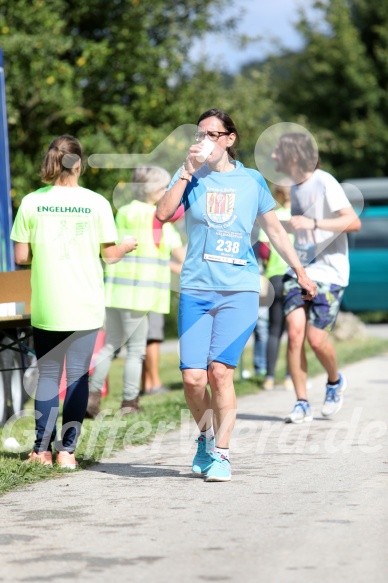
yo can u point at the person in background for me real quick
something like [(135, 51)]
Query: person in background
[(220, 279), (138, 285), (260, 333), (321, 217), (60, 230), (151, 383), (260, 343), (274, 271)]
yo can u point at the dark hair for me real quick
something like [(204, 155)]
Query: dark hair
[(228, 124), (62, 157), (300, 148)]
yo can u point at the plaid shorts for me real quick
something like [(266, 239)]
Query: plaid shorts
[(322, 310)]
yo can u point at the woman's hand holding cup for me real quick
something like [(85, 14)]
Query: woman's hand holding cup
[(198, 154)]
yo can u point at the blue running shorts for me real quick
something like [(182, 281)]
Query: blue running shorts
[(215, 325)]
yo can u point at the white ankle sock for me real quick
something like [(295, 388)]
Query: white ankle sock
[(222, 451), (208, 433)]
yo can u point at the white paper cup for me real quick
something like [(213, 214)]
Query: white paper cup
[(207, 149)]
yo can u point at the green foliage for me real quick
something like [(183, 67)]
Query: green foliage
[(107, 72), (337, 86), (373, 317), (117, 75)]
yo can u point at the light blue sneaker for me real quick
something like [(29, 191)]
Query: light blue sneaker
[(220, 470), (202, 459), (334, 397)]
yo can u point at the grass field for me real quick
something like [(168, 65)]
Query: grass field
[(100, 438)]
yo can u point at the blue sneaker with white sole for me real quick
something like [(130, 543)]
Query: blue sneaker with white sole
[(219, 470), (334, 397), (202, 459)]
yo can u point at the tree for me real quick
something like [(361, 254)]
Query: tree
[(246, 97), (337, 85), (107, 72)]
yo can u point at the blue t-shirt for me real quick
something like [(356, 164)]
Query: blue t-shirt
[(220, 211)]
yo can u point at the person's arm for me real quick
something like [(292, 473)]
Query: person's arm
[(112, 253), (157, 226), (177, 215), (171, 199), (175, 267), (346, 222), (178, 254), (281, 241), (23, 253)]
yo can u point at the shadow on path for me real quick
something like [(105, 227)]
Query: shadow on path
[(251, 417), (141, 470)]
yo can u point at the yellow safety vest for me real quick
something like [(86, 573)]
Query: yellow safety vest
[(141, 280)]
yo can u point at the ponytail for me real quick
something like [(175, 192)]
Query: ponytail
[(62, 159)]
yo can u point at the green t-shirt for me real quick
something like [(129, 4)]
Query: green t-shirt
[(65, 227)]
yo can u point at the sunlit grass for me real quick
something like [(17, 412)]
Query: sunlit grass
[(110, 433)]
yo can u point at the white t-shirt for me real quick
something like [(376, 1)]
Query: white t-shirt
[(324, 253)]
